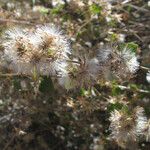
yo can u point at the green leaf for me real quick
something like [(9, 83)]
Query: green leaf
[(126, 110), (57, 10), (16, 84), (132, 46), (116, 90), (133, 87), (46, 85), (129, 9), (112, 23), (95, 9), (84, 92), (44, 10), (112, 107), (147, 110), (112, 37)]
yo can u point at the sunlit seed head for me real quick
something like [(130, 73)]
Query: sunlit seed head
[(104, 54), (14, 44), (81, 73), (122, 128), (66, 82), (14, 33), (69, 81), (123, 64), (93, 67), (44, 50), (34, 40), (127, 127), (129, 59), (141, 120), (105, 58), (53, 41)]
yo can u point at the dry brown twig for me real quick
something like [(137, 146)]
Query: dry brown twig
[(3, 20)]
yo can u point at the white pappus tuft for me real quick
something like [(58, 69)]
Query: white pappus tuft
[(104, 55), (117, 63), (141, 120), (80, 73), (14, 43), (129, 59), (54, 40), (123, 128), (45, 50)]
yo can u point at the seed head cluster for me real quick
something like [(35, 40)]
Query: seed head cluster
[(81, 73), (122, 127), (126, 127), (45, 50)]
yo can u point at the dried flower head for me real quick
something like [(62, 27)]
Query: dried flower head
[(104, 55), (127, 127), (141, 120), (123, 128), (14, 44), (119, 63), (80, 73), (129, 59), (39, 51)]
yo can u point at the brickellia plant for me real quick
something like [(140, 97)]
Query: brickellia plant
[(46, 52)]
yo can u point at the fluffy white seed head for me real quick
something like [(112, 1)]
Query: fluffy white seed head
[(141, 120), (54, 41), (14, 44), (44, 50), (80, 73), (129, 59), (127, 128), (104, 55), (119, 63), (123, 128)]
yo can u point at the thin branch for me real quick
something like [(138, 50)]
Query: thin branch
[(9, 143), (129, 88), (15, 21), (145, 68), (12, 75), (73, 61), (137, 8), (135, 34), (25, 75), (83, 25)]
